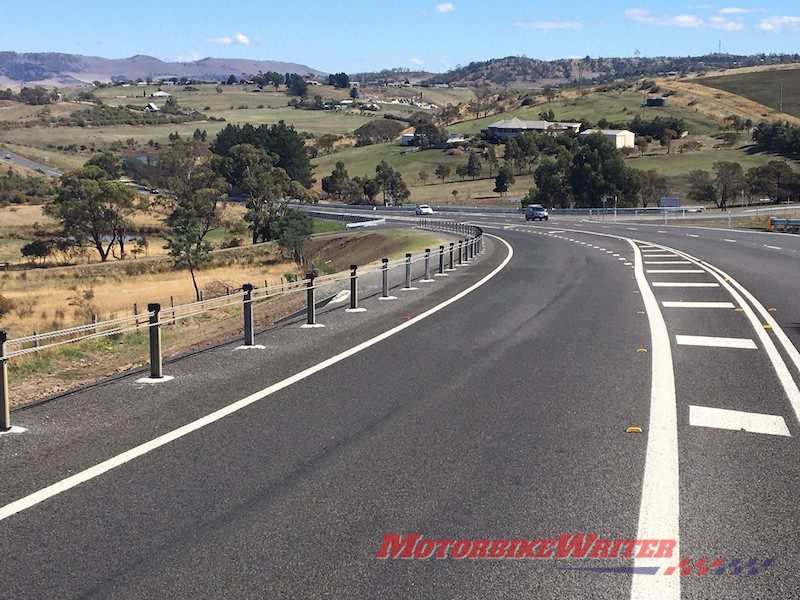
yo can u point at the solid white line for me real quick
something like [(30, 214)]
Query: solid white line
[(678, 284), (735, 420), (659, 511), (715, 342), (680, 304), (162, 440), (675, 271), (772, 247)]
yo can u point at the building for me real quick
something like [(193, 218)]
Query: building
[(408, 139), (151, 108), (160, 94), (621, 138), (657, 101), (516, 127)]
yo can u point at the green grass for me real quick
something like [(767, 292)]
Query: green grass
[(324, 226), (612, 106), (680, 164), (763, 87)]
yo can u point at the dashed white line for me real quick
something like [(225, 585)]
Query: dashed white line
[(715, 342), (682, 304), (729, 241), (772, 247), (692, 235), (735, 420), (684, 284), (675, 271)]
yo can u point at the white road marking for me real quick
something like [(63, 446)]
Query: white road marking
[(692, 235), (715, 342), (660, 256), (772, 247), (675, 271), (162, 440), (662, 231), (681, 284), (659, 511), (734, 420), (681, 304), (731, 241), (631, 228), (667, 262)]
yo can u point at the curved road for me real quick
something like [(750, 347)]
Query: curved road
[(491, 404)]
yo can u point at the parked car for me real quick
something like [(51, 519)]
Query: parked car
[(423, 209), (7, 156), (536, 212)]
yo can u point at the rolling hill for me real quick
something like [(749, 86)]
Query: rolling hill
[(54, 69)]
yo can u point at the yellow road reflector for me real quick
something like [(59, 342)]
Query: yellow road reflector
[(738, 310), (767, 326), (727, 279), (773, 310), (633, 430), (640, 312), (641, 350)]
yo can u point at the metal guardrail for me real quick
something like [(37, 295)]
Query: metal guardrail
[(156, 317), (788, 225)]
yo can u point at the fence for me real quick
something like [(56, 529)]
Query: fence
[(156, 317)]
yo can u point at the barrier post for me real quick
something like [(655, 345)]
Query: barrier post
[(311, 309), (460, 252), (247, 288), (353, 287), (451, 255), (5, 402), (427, 277), (441, 261), (408, 273), (156, 364), (385, 273)]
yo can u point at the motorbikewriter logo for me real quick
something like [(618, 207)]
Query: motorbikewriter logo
[(568, 546)]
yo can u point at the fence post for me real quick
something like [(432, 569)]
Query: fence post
[(460, 252), (247, 288), (408, 287), (354, 291), (156, 365), (311, 308), (5, 402), (385, 273), (136, 314), (427, 278), (441, 272), (451, 256)]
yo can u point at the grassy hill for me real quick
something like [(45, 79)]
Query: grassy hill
[(763, 87)]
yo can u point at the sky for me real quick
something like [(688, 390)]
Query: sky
[(366, 35)]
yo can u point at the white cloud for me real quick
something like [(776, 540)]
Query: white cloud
[(190, 56), (780, 23), (723, 24), (228, 40), (735, 10), (445, 7), (685, 21), (549, 25), (416, 61)]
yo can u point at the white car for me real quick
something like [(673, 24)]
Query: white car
[(7, 156), (424, 209)]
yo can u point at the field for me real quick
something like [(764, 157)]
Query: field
[(763, 87), (617, 106)]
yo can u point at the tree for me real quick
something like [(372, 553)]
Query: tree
[(653, 187), (775, 180), (372, 188), (338, 182), (701, 187), (353, 93), (729, 181), (552, 183), (107, 162), (491, 158), (455, 196), (642, 144), (597, 169), (296, 85), (37, 250), (504, 180), (429, 134), (462, 171), (339, 80), (294, 228), (266, 188), (442, 172), (232, 80), (90, 208), (423, 176), (200, 193), (549, 93), (474, 166)]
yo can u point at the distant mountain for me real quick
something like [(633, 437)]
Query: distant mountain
[(54, 69), (523, 72)]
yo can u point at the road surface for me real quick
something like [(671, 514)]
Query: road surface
[(491, 404), (11, 157)]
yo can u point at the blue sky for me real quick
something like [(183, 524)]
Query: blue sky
[(356, 35)]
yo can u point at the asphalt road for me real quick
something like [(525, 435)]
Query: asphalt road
[(490, 404), (11, 157)]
